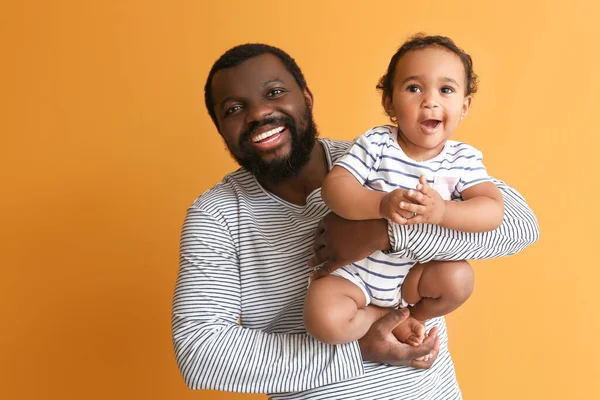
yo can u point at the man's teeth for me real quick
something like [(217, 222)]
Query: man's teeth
[(267, 134)]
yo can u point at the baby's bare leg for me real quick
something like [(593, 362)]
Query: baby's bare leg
[(437, 288), (335, 311)]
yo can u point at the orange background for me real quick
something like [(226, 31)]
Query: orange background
[(105, 142)]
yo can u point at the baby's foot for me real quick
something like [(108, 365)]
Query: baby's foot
[(410, 331)]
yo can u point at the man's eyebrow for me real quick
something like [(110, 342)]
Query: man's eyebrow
[(225, 100), (274, 80), (265, 84)]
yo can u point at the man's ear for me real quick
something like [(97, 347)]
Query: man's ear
[(308, 98)]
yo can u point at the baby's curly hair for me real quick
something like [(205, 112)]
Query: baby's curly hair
[(422, 41)]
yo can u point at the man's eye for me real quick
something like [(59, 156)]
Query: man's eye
[(447, 90), (413, 89), (231, 110), (274, 92)]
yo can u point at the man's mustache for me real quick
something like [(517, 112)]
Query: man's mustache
[(284, 120)]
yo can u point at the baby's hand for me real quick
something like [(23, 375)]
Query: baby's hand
[(426, 206), (390, 206)]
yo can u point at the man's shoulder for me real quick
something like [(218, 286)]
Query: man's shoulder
[(226, 193), (335, 148)]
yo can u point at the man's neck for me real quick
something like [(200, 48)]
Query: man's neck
[(295, 190)]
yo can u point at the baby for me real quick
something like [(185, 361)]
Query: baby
[(409, 173)]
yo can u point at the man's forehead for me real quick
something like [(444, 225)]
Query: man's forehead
[(251, 74)]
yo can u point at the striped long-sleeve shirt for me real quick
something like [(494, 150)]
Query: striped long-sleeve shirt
[(237, 309)]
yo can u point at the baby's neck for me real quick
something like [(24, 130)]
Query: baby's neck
[(418, 153)]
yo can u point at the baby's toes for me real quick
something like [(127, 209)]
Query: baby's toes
[(420, 331), (415, 340), (424, 358)]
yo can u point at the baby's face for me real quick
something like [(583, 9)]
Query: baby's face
[(428, 97)]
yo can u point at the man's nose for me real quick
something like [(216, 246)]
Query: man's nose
[(258, 112)]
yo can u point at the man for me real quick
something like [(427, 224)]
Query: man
[(237, 313)]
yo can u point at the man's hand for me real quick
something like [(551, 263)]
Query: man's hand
[(430, 208), (339, 242), (380, 345)]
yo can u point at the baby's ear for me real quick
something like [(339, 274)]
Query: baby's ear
[(388, 105), (466, 106)]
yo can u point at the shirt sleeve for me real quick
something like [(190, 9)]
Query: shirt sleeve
[(424, 242), (474, 171), (214, 351), (364, 153)]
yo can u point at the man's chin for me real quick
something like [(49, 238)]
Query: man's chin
[(278, 155), (274, 171)]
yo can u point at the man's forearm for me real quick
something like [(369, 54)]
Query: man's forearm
[(237, 359), (423, 243)]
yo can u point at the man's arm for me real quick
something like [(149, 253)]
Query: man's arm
[(424, 243), (214, 352), (339, 242)]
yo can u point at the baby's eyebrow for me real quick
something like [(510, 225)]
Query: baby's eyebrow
[(410, 78), (452, 80)]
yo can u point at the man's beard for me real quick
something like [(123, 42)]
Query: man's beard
[(281, 169)]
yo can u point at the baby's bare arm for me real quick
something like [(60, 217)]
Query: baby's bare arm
[(346, 197), (482, 209)]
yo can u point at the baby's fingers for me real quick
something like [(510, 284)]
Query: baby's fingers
[(399, 219), (421, 198), (423, 186), (417, 219), (413, 208)]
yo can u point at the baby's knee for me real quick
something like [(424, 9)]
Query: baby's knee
[(322, 324), (321, 318), (460, 278), (311, 306)]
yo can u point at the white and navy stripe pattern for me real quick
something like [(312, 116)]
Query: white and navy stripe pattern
[(377, 161), (237, 308)]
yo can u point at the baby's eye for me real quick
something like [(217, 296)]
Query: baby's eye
[(447, 90), (413, 89)]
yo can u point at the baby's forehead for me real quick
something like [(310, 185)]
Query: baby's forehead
[(431, 63)]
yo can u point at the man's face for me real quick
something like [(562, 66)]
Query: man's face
[(264, 117)]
